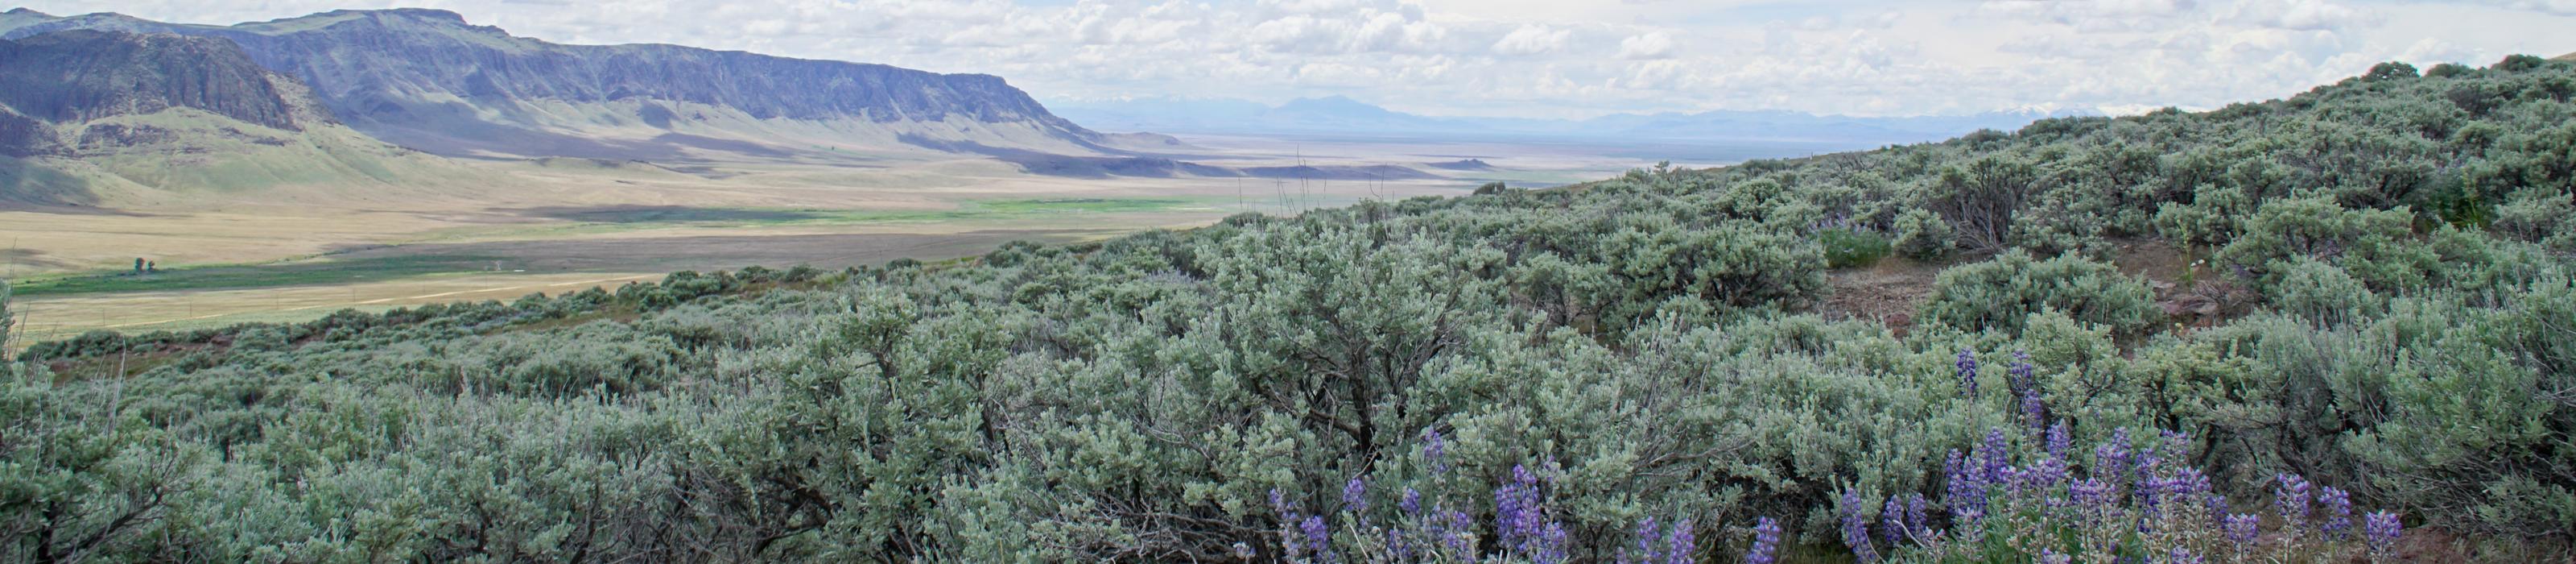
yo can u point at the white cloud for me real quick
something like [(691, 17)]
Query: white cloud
[(1648, 46), (1532, 40), (2558, 7), (2306, 15)]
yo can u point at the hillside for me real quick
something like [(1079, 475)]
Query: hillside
[(429, 80), (2334, 327), (91, 118)]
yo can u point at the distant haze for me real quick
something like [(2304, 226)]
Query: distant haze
[(1338, 116), (1555, 59)]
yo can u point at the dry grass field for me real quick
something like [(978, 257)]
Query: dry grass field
[(563, 225)]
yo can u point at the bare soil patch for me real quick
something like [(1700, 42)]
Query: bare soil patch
[(1887, 293)]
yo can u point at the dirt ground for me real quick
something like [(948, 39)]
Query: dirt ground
[(1887, 292)]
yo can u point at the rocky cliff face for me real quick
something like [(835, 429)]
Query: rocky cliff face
[(427, 78), (77, 76)]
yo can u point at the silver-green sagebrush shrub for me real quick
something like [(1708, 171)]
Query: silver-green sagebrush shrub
[(2000, 293)]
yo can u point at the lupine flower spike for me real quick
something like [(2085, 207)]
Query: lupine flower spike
[(1967, 372), (1766, 542), (2337, 524), (1680, 543), (1856, 527), (2381, 528)]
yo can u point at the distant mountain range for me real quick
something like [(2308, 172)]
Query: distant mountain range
[(426, 79), (86, 114), (1338, 115)]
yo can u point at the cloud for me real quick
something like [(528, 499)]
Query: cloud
[(2306, 15), (1649, 46), (1532, 40), (2556, 7)]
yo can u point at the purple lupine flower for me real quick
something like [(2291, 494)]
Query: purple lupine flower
[(1680, 543), (1459, 538), (2291, 499), (1516, 513), (2111, 458), (1243, 551), (1355, 496), (1766, 542), (2338, 506), (2152, 494), (2217, 503), (1916, 509), (2148, 460), (2013, 479), (1551, 545), (1967, 372), (1399, 546), (1891, 526), (2046, 473), (2091, 495), (1646, 533), (1967, 493), (1289, 542), (2241, 529), (2381, 528), (1434, 450), (1970, 532), (2024, 376), (2050, 556), (1318, 539), (1856, 527), (2060, 440), (1411, 503), (1998, 455), (2189, 481), (2034, 410), (2182, 555)]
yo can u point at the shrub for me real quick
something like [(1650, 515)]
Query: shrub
[(2000, 294), (1923, 235), (2375, 246), (2323, 294), (1732, 266), (1850, 247)]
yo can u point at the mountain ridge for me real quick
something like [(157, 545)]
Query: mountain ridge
[(91, 117), (427, 78)]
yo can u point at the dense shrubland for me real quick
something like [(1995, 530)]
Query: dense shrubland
[(1521, 374)]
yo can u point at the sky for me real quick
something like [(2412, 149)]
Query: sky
[(1558, 58)]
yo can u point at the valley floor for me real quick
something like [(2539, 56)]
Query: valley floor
[(563, 225)]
